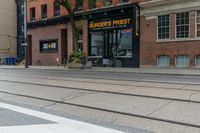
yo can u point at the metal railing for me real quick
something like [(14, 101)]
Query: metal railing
[(8, 61)]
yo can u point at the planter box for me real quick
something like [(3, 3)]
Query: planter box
[(73, 65)]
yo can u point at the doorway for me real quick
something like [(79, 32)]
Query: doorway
[(29, 50), (64, 53)]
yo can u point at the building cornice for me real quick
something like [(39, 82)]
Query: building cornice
[(159, 7)]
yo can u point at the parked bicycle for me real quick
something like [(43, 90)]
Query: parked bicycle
[(114, 62)]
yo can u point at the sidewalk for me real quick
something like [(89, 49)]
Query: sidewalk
[(151, 70)]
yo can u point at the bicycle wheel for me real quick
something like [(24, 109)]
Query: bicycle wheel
[(118, 63), (110, 63)]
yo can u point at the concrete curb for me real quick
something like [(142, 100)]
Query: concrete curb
[(152, 71)]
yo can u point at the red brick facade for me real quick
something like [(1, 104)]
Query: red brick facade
[(150, 46)]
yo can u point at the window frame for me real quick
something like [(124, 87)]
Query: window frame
[(180, 38), (42, 14), (158, 29), (182, 65), (49, 50), (54, 11), (196, 23), (163, 65), (197, 61), (92, 4), (32, 19)]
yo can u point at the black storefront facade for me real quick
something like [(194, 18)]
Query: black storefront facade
[(114, 33)]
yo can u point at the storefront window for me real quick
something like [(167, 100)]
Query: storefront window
[(48, 46), (97, 43), (124, 47)]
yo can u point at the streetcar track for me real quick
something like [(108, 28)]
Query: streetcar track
[(122, 84), (107, 110), (90, 73), (106, 92)]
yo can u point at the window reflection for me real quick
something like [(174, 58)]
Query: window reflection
[(124, 47)]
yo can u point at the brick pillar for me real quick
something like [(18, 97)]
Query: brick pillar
[(69, 39), (172, 24), (192, 24), (99, 4), (85, 36), (115, 2), (85, 4)]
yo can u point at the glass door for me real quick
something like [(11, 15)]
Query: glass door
[(110, 43)]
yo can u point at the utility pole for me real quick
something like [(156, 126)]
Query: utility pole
[(25, 33)]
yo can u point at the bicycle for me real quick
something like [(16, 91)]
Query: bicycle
[(114, 62)]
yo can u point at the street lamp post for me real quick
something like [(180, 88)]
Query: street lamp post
[(25, 33)]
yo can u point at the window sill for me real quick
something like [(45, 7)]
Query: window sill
[(179, 40)]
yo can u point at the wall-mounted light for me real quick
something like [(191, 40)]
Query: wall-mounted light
[(148, 23), (105, 13), (122, 10)]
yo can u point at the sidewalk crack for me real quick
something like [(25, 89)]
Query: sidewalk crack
[(190, 97), (159, 108)]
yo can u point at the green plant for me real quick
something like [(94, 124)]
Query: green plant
[(76, 56)]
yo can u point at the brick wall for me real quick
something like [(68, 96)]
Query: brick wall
[(151, 48), (46, 33)]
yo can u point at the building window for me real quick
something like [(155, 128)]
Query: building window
[(163, 61), (32, 14), (163, 27), (182, 25), (124, 43), (49, 46), (92, 4), (198, 23), (182, 61), (56, 9), (107, 2), (198, 61), (124, 1), (79, 4), (97, 43), (44, 11)]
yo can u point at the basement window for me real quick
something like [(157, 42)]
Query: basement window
[(182, 61), (198, 61), (163, 61)]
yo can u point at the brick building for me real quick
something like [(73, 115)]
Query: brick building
[(137, 32), (8, 28)]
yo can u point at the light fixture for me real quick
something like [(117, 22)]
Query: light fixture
[(105, 13), (122, 10)]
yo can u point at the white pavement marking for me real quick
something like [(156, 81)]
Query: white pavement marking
[(63, 125)]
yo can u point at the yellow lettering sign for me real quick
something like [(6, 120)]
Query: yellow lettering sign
[(110, 23)]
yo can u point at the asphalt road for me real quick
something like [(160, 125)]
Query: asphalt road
[(107, 75), (130, 102)]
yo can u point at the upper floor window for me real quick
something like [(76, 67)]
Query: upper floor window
[(107, 2), (163, 27), (182, 25), (56, 9), (32, 14), (124, 1), (198, 23), (44, 11), (92, 4), (79, 4)]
